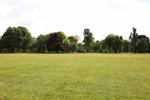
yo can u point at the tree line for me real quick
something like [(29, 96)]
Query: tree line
[(19, 40)]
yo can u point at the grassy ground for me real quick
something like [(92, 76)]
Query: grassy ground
[(74, 77)]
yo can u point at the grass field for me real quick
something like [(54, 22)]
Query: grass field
[(74, 76)]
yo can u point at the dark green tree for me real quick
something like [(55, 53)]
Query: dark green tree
[(133, 38), (88, 40), (98, 46), (146, 38), (40, 44), (113, 43), (1, 45), (125, 46), (11, 39), (142, 45), (26, 38), (80, 48), (73, 43), (149, 47), (143, 36), (32, 47), (72, 39)]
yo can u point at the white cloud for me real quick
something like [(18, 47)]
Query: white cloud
[(72, 16)]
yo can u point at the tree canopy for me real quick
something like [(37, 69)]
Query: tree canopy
[(113, 43), (57, 42), (142, 45), (133, 38), (19, 39), (88, 40)]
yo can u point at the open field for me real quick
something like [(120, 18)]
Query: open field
[(74, 76)]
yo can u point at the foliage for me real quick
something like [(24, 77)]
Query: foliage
[(16, 39), (143, 36), (88, 40), (40, 44), (1, 45), (57, 42), (149, 47), (12, 39), (113, 43), (133, 38), (98, 46), (19, 39), (26, 38), (73, 43), (80, 47), (73, 39), (125, 46), (142, 45)]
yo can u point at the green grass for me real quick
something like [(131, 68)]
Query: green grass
[(74, 76)]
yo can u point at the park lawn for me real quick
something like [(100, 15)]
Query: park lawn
[(75, 76)]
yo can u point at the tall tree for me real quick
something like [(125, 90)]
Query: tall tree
[(12, 39), (133, 38), (88, 40), (26, 38)]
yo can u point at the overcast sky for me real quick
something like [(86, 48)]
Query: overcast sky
[(72, 16)]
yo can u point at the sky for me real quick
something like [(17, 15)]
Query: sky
[(102, 17)]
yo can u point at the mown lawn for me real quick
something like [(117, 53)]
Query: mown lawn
[(74, 76)]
